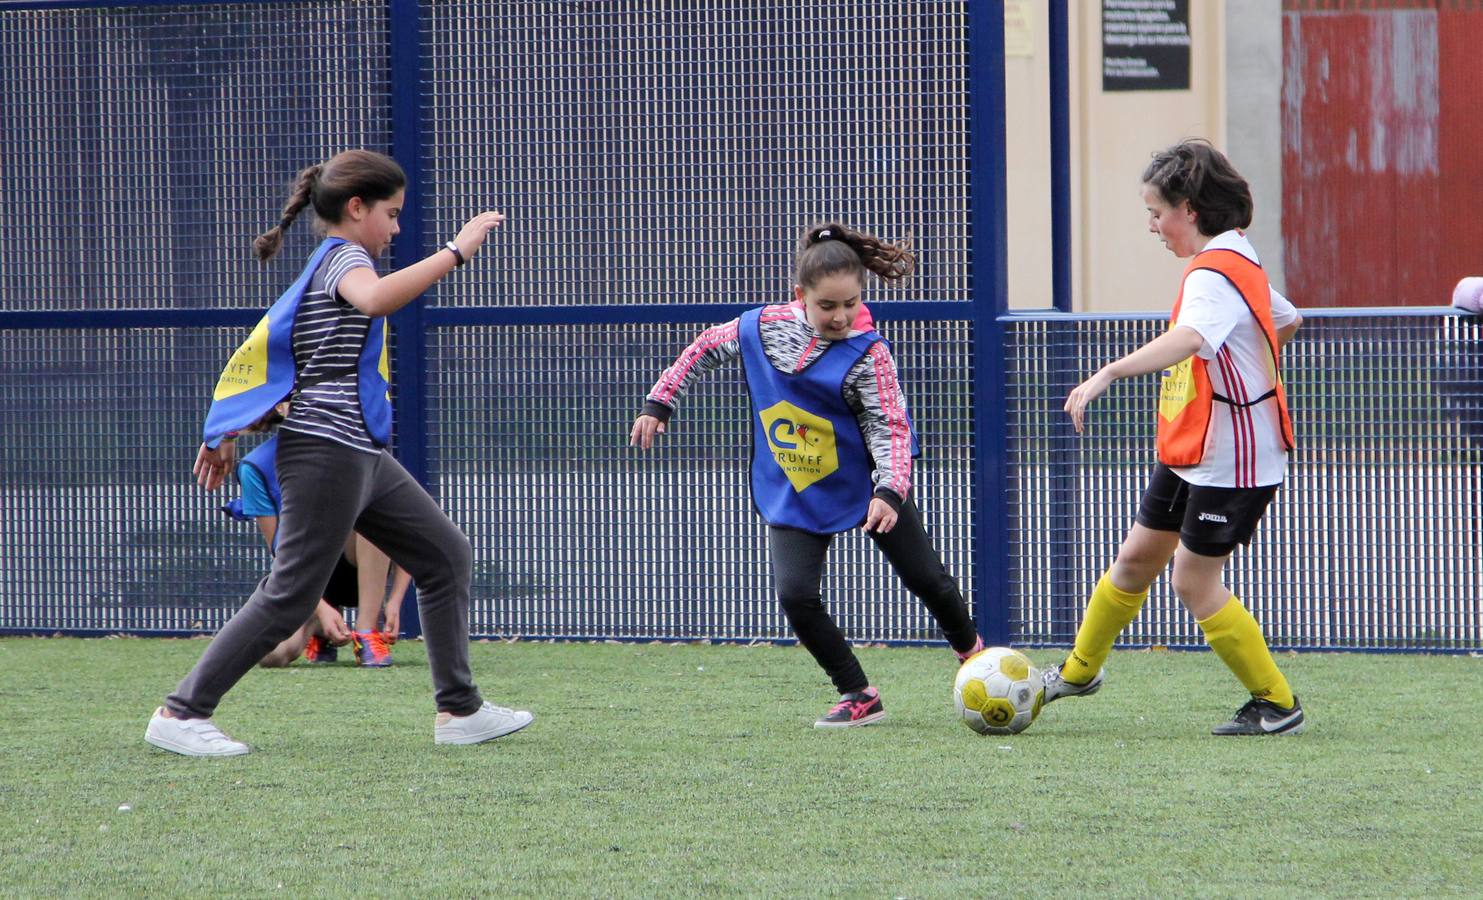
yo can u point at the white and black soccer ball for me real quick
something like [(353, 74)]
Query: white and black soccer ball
[(998, 691)]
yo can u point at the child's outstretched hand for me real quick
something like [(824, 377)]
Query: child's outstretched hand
[(471, 237), (1082, 395), (212, 465), (880, 518), (644, 430)]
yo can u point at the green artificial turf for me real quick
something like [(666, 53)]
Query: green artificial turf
[(679, 770)]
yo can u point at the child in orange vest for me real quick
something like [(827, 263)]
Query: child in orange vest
[(1223, 437)]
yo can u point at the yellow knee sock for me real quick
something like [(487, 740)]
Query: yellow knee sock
[(1108, 612), (1236, 638)]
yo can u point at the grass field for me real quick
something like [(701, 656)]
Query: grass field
[(664, 770)]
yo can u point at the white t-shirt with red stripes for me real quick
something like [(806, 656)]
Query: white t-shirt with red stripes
[(1243, 447)]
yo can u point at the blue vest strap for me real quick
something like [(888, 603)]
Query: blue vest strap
[(262, 372)]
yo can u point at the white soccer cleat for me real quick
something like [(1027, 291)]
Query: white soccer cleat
[(190, 737), (484, 724), (1057, 687)]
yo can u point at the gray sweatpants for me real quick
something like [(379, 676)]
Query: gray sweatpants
[(329, 490)]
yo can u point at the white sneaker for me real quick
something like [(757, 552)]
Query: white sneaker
[(486, 724), (190, 737), (1057, 687)]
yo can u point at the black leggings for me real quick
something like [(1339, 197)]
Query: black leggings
[(798, 570)]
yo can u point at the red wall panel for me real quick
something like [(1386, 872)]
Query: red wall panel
[(1382, 141), (1460, 150)]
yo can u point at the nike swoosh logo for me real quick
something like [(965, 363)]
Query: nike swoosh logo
[(1271, 725)]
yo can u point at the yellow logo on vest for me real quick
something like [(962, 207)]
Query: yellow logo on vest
[(384, 366), (802, 444), (248, 367), (1177, 390)]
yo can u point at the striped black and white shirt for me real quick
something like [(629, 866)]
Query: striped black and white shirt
[(328, 335)]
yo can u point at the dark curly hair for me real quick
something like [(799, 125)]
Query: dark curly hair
[(1194, 170)]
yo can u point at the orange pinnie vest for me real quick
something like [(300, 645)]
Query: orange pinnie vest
[(1185, 396)]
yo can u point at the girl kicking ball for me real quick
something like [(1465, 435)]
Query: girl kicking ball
[(832, 446), (1223, 437)]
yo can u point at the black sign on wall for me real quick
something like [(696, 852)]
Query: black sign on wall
[(1145, 45)]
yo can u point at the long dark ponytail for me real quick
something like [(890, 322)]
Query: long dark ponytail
[(827, 248), (328, 186)]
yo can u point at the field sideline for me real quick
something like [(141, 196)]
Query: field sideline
[(676, 770)]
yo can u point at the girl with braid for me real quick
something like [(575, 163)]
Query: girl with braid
[(832, 446), (323, 345), (1223, 438)]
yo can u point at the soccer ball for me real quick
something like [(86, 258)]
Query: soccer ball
[(998, 691)]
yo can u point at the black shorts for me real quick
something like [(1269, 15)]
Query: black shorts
[(344, 587), (1211, 521)]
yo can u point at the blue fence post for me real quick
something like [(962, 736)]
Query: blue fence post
[(410, 344), (1062, 339), (988, 255), (1060, 155)]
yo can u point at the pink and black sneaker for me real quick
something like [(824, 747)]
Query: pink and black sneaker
[(978, 647), (853, 709)]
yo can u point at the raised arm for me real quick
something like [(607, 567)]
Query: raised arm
[(376, 296)]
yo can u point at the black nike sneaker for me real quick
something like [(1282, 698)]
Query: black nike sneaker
[(1264, 717)]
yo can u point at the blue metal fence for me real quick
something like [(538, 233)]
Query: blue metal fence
[(655, 161)]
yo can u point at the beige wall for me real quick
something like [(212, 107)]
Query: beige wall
[(1116, 263), (1027, 156), (1254, 120)]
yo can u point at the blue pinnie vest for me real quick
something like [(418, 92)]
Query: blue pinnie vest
[(261, 373), (810, 464), (265, 460)]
